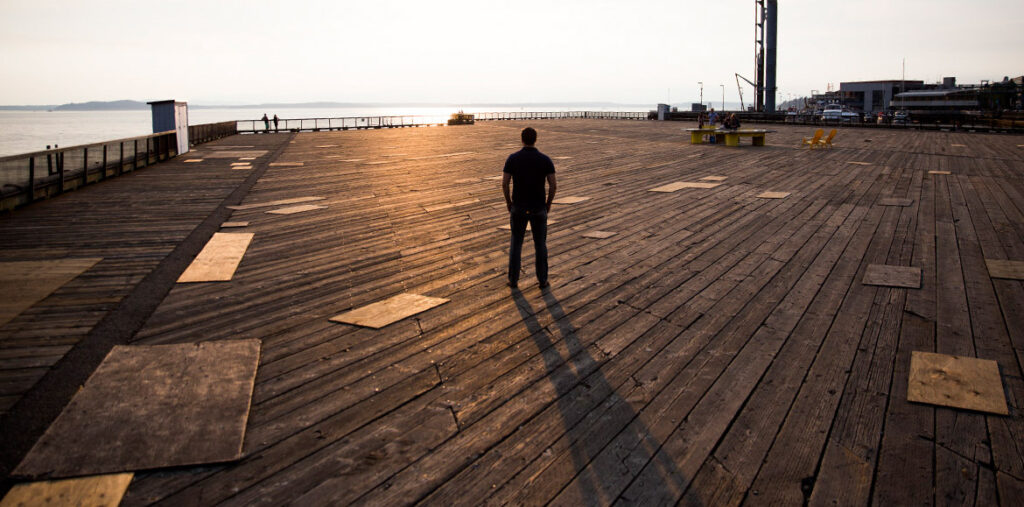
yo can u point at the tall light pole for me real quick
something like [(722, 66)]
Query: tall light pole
[(723, 97), (701, 83)]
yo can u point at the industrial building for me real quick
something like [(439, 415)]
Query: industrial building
[(874, 96)]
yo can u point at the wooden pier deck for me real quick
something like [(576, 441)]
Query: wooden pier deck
[(719, 349)]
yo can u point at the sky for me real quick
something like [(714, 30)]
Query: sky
[(220, 52)]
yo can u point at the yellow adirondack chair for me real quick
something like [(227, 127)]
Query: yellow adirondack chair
[(812, 142), (827, 142)]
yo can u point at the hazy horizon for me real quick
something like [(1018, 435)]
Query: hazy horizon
[(461, 52)]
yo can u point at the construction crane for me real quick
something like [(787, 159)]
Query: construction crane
[(739, 88)]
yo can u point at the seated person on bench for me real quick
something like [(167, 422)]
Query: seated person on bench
[(731, 122)]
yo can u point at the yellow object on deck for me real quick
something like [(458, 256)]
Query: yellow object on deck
[(827, 142), (811, 143)]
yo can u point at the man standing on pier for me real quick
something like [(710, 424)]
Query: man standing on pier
[(527, 170)]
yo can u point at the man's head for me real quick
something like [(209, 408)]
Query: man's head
[(529, 136)]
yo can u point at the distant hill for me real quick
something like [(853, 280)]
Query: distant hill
[(116, 105)]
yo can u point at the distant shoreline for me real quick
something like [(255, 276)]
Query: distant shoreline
[(132, 105)]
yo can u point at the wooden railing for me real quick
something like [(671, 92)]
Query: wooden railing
[(199, 134)]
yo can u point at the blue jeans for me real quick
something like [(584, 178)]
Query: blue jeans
[(538, 220)]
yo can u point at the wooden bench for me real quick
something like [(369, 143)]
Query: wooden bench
[(732, 137)]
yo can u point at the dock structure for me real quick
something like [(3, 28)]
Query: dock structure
[(710, 343)]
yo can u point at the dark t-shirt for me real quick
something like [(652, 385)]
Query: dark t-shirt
[(529, 169)]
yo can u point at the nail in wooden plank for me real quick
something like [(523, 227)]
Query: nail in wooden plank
[(219, 259), (955, 381), (388, 311)]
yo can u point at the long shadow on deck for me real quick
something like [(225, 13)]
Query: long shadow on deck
[(591, 487)]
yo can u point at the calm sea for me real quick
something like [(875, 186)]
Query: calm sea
[(28, 131)]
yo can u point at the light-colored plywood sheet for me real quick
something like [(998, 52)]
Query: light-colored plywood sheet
[(958, 145), (570, 199), (93, 491), (699, 184), (954, 381), (599, 234), (858, 163), (467, 180), (998, 268), (291, 210), (234, 224), (287, 164), (327, 146), (35, 281), (449, 205), (193, 160), (892, 276), (669, 188), (241, 167), (219, 259), (235, 153), (561, 158), (240, 163), (246, 158), (388, 311), (939, 172), (152, 407), (714, 178), (895, 201), (281, 202), (773, 195)]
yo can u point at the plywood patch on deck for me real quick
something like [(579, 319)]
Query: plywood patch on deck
[(94, 491), (291, 210), (449, 205), (561, 158), (234, 224), (858, 163), (571, 199), (467, 180), (280, 202), (193, 160), (892, 276), (352, 160), (895, 201), (327, 146), (998, 268), (236, 153), (35, 280), (287, 164), (958, 145), (219, 259), (714, 178), (246, 158), (954, 381), (939, 172), (773, 195), (599, 234), (388, 311), (152, 407)]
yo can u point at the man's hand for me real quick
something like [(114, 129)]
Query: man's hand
[(552, 186), (506, 178)]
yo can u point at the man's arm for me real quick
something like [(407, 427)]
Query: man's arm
[(505, 179), (551, 190)]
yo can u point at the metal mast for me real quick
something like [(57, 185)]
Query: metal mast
[(760, 12)]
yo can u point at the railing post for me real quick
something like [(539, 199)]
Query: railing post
[(31, 179), (60, 171), (85, 166), (103, 173), (120, 158), (135, 154)]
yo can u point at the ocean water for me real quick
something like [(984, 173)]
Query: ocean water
[(29, 131)]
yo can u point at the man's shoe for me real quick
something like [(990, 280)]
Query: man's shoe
[(544, 284), (512, 284)]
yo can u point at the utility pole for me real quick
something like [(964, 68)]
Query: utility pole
[(723, 97), (701, 83)]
